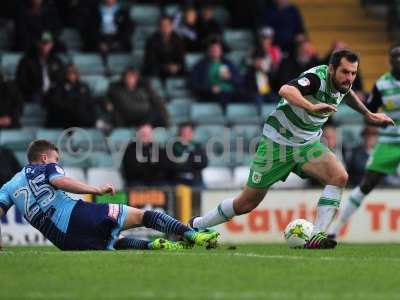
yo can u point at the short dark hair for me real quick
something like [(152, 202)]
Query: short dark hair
[(337, 56), (393, 51), (37, 148), (213, 39), (165, 17), (129, 69), (188, 7), (183, 125)]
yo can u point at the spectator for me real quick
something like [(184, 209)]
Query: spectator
[(110, 30), (215, 78), (69, 102), (186, 26), (356, 158), (32, 19), (286, 21), (39, 69), (132, 102), (257, 81), (272, 53), (141, 164), (11, 104), (9, 165), (189, 158), (305, 58), (208, 26), (75, 13), (358, 85), (242, 12), (164, 54)]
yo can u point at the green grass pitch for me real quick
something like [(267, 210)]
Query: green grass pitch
[(247, 272)]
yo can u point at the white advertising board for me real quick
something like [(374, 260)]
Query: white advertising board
[(15, 230), (377, 220)]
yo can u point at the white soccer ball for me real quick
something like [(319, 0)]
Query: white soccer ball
[(298, 232)]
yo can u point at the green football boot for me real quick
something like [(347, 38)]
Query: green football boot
[(206, 237), (163, 244)]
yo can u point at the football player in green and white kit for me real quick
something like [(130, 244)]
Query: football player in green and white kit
[(291, 143), (385, 158)]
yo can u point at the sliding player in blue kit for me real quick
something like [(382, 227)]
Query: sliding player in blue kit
[(38, 191)]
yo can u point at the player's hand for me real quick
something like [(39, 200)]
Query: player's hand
[(379, 119), (226, 74), (323, 108), (107, 189)]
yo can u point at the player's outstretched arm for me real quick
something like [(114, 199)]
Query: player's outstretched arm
[(71, 185), (294, 96), (355, 103)]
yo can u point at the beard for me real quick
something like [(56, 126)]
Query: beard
[(339, 86)]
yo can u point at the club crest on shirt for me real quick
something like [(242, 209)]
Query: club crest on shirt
[(303, 81), (256, 178), (59, 170)]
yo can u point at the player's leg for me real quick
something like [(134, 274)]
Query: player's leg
[(384, 160), (168, 225), (330, 172), (131, 243), (248, 199), (266, 168), (158, 244), (370, 180), (134, 218)]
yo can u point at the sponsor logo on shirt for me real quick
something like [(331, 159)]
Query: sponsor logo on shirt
[(303, 82)]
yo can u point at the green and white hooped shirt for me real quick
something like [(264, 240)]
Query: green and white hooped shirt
[(386, 95), (294, 126)]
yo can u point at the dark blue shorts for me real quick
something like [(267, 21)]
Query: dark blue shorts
[(94, 226)]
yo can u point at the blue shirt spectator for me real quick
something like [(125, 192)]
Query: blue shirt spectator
[(186, 26), (110, 29)]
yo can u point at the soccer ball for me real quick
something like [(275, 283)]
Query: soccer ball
[(298, 232)]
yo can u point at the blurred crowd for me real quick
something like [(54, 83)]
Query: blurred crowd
[(278, 51)]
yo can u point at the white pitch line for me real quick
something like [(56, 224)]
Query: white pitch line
[(209, 254), (290, 257), (216, 295)]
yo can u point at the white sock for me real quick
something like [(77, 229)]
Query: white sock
[(352, 204), (327, 207), (222, 213)]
